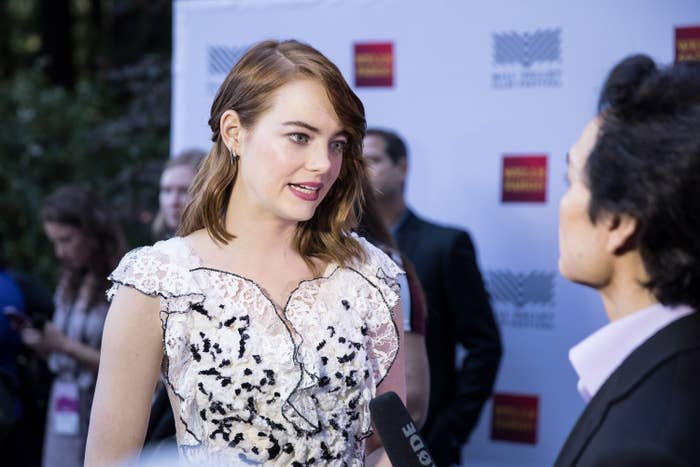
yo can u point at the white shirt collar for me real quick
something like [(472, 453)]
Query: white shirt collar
[(598, 356)]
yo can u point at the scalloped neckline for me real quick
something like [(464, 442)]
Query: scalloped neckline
[(330, 269)]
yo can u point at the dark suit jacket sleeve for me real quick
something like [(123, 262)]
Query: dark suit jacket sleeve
[(637, 455), (476, 329)]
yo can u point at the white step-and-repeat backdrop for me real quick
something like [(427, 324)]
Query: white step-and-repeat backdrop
[(489, 96)]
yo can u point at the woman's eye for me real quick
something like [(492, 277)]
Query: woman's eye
[(339, 146), (299, 138)]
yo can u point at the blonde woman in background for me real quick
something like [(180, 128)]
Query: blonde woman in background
[(173, 196)]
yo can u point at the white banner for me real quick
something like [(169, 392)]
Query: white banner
[(489, 97)]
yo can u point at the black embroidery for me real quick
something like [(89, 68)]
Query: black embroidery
[(346, 358), (244, 337), (346, 304), (199, 308), (194, 349), (275, 449), (353, 402), (274, 425), (217, 407), (325, 452), (350, 379), (236, 439), (229, 322)]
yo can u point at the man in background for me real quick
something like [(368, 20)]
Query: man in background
[(459, 311)]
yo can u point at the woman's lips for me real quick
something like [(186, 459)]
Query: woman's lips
[(308, 191)]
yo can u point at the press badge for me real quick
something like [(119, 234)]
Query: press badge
[(66, 415)]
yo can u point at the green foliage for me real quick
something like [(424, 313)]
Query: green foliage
[(108, 133)]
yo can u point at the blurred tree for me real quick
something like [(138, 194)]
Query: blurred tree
[(84, 98)]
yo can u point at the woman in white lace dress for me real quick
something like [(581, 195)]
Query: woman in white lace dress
[(272, 326)]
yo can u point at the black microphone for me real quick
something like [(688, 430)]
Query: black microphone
[(398, 433)]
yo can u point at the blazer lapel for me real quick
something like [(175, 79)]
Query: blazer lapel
[(405, 234), (679, 336)]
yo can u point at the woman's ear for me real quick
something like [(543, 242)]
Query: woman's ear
[(230, 128), (622, 233)]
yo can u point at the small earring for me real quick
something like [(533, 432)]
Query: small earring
[(234, 156)]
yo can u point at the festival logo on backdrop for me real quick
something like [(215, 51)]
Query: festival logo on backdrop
[(524, 178), (374, 64), (522, 299), (220, 60), (527, 59), (514, 418), (687, 43)]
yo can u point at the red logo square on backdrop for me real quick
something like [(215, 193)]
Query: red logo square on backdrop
[(374, 64), (514, 418), (687, 43), (524, 178)]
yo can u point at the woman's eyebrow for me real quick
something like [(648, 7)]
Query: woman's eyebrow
[(311, 128)]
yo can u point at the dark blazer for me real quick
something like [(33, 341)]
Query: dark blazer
[(458, 312), (648, 411)]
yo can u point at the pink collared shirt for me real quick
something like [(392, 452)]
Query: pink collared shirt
[(598, 356)]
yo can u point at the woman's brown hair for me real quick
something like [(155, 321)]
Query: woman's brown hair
[(248, 89), (83, 209)]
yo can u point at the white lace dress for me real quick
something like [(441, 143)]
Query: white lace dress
[(254, 385)]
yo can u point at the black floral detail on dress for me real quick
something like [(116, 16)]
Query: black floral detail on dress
[(324, 355)]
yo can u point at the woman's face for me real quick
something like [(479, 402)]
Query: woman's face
[(583, 256), (70, 244), (174, 196), (291, 157)]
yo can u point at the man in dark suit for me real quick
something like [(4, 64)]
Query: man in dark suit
[(459, 311), (629, 228)]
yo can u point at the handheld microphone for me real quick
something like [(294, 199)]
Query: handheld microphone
[(398, 433)]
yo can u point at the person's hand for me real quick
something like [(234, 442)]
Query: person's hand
[(51, 339), (54, 339), (33, 338)]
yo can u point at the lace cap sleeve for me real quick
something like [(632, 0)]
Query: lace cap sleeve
[(382, 329), (159, 270), (382, 271)]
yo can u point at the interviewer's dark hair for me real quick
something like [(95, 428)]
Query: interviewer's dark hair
[(646, 163), (624, 79)]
